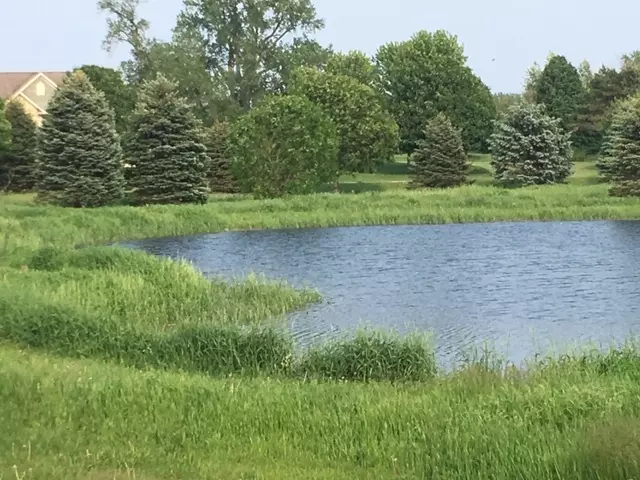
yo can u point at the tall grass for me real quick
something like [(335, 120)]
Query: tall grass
[(26, 226), (67, 419)]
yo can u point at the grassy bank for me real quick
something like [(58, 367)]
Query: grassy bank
[(26, 226), (77, 419), (116, 364)]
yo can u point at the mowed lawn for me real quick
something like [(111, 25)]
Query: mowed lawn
[(396, 175)]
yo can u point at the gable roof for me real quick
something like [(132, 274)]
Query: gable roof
[(11, 82)]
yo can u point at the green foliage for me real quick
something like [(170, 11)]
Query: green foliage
[(286, 145), (19, 160), (165, 148), (607, 87), (530, 148), (80, 158), (221, 179), (440, 160), (245, 41), (354, 64), (368, 134), (560, 89), (504, 101), (620, 160), (5, 140), (426, 75), (121, 97)]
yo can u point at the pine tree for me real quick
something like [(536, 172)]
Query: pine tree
[(440, 160), (20, 157), (221, 179), (165, 148), (80, 158), (530, 148), (620, 159)]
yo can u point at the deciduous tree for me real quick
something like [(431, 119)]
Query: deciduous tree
[(80, 158), (530, 148), (368, 135), (560, 89), (221, 178), (121, 96), (428, 74), (245, 40), (286, 145), (165, 148), (354, 64)]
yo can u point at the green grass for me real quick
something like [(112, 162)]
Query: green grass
[(116, 364), (80, 419)]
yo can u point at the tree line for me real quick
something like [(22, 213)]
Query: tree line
[(242, 99)]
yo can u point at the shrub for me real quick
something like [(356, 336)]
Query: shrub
[(530, 148), (165, 148), (368, 134), (20, 157), (80, 158), (620, 157), (221, 178), (286, 145), (440, 160)]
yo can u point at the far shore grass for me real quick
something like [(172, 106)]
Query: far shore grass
[(118, 365), (25, 225)]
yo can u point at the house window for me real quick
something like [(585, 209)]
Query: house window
[(40, 90)]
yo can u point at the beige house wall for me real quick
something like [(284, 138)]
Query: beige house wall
[(40, 92)]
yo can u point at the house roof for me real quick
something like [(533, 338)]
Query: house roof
[(10, 82)]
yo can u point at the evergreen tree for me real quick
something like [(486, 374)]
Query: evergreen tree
[(221, 178), (165, 147), (5, 139), (20, 157), (620, 160), (80, 158), (530, 148), (440, 160)]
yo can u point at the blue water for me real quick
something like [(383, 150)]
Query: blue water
[(522, 287)]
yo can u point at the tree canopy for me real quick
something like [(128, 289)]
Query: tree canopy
[(286, 145), (428, 74), (368, 134)]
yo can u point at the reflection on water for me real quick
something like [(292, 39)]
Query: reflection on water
[(518, 286)]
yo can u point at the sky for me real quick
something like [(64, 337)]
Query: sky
[(501, 38)]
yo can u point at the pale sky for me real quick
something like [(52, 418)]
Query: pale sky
[(62, 34)]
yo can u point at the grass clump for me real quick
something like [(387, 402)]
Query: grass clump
[(371, 356)]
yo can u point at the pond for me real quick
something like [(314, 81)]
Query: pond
[(522, 287)]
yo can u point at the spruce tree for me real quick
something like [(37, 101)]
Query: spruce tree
[(79, 158), (620, 160), (440, 160), (530, 148), (165, 148), (20, 157), (221, 179), (5, 139)]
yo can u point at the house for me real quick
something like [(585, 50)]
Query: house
[(32, 89)]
